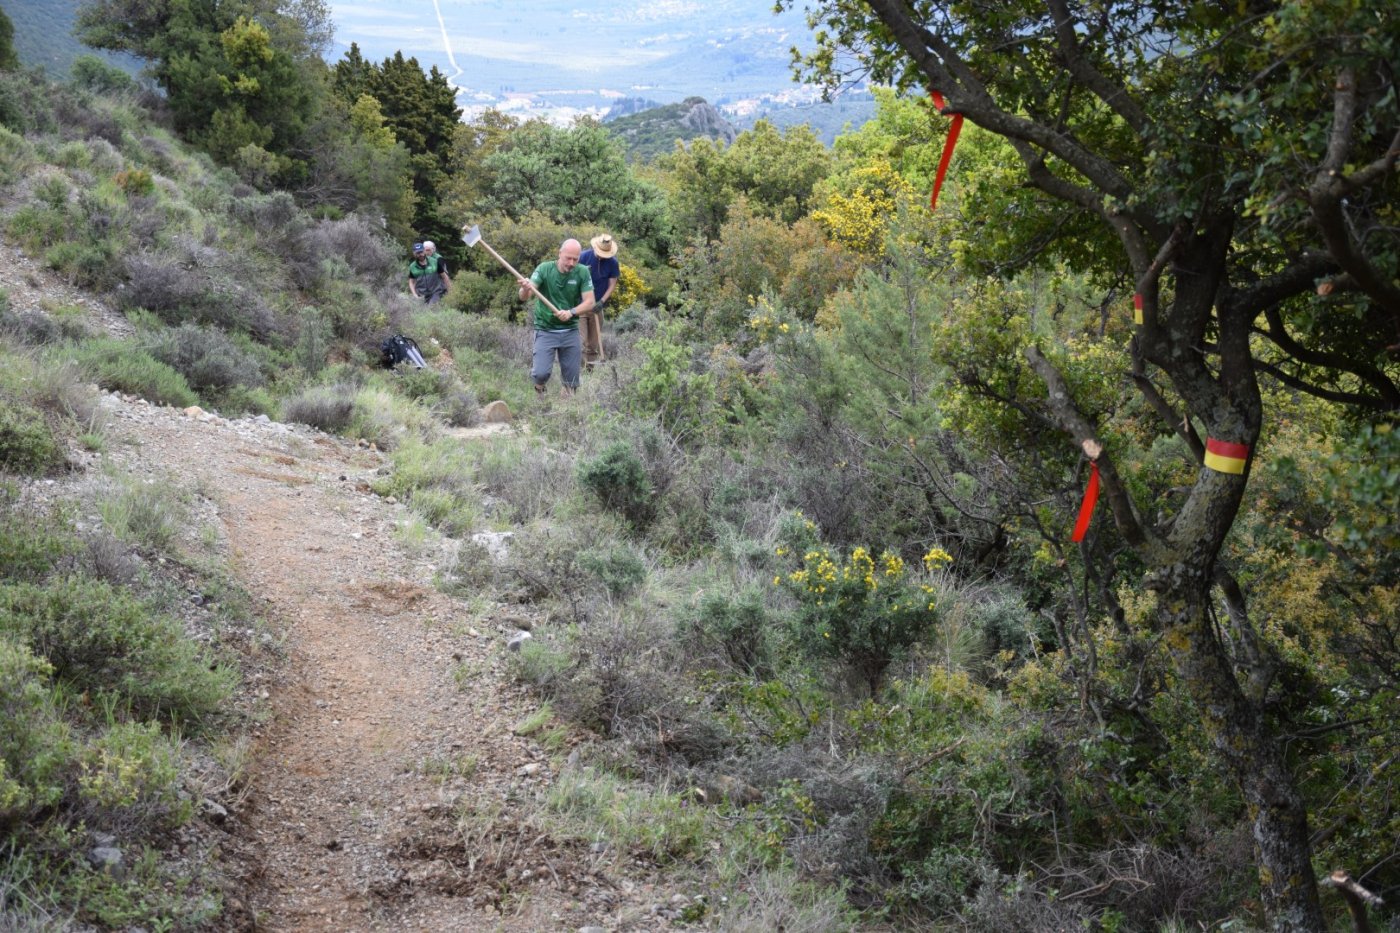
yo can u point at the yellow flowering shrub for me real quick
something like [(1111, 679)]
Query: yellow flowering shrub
[(864, 611)]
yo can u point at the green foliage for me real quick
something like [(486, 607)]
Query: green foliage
[(8, 59), (619, 569), (535, 170), (774, 173), (437, 481), (666, 384), (28, 550), (328, 408), (420, 110), (36, 745), (105, 641), (123, 367), (27, 443), (147, 514), (655, 825), (209, 360), (736, 627), (863, 612), (756, 257), (98, 76), (130, 769), (236, 83), (619, 481), (443, 393), (1363, 489)]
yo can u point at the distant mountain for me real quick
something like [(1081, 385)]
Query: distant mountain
[(44, 37), (654, 132), (827, 119), (565, 60), (628, 106)]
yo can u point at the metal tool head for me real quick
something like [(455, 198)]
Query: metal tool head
[(471, 236)]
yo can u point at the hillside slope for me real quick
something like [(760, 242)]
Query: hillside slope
[(392, 713)]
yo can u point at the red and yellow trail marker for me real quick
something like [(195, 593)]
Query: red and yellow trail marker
[(1226, 457), (1137, 308)]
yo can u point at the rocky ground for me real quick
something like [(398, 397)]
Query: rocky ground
[(387, 788)]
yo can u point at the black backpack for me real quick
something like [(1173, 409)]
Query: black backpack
[(400, 349)]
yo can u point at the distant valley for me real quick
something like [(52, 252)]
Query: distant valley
[(560, 59)]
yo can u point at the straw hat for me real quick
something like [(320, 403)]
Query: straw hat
[(604, 246)]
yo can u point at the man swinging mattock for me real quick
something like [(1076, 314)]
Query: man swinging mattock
[(564, 290)]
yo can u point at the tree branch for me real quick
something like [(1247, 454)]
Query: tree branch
[(968, 95), (1073, 421), (1329, 189), (1358, 399), (1259, 664), (1387, 393), (1114, 95), (1181, 425)]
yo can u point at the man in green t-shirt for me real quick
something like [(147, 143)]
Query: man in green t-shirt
[(569, 287)]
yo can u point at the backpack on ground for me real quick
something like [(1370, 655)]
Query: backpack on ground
[(400, 349)]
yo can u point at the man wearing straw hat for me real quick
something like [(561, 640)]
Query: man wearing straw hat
[(604, 268), (569, 288)]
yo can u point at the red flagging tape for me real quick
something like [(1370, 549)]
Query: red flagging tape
[(953, 130), (1086, 508)]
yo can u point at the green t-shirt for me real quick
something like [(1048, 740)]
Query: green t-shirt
[(566, 291)]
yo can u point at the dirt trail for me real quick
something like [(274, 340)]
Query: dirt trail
[(392, 714), (372, 746)]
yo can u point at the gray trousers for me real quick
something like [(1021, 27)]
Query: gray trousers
[(566, 344)]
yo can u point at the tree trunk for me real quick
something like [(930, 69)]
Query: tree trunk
[(1242, 738)]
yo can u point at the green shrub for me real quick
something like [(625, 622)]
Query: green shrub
[(91, 263), (16, 154), (134, 181), (667, 386), (27, 443), (735, 627), (452, 401), (862, 612), (35, 744), (437, 482), (388, 420), (240, 400), (124, 367), (148, 515), (94, 74), (525, 476), (105, 641), (30, 549), (326, 408), (129, 779), (474, 293), (59, 390), (38, 227), (207, 358), (619, 481), (618, 569)]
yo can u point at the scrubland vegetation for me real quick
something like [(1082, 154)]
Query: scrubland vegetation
[(801, 545)]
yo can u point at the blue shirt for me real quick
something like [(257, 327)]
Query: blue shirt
[(601, 270)]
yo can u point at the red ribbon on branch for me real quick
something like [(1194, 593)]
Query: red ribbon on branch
[(953, 130), (1086, 508)]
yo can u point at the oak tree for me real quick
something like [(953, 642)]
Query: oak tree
[(1233, 167)]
